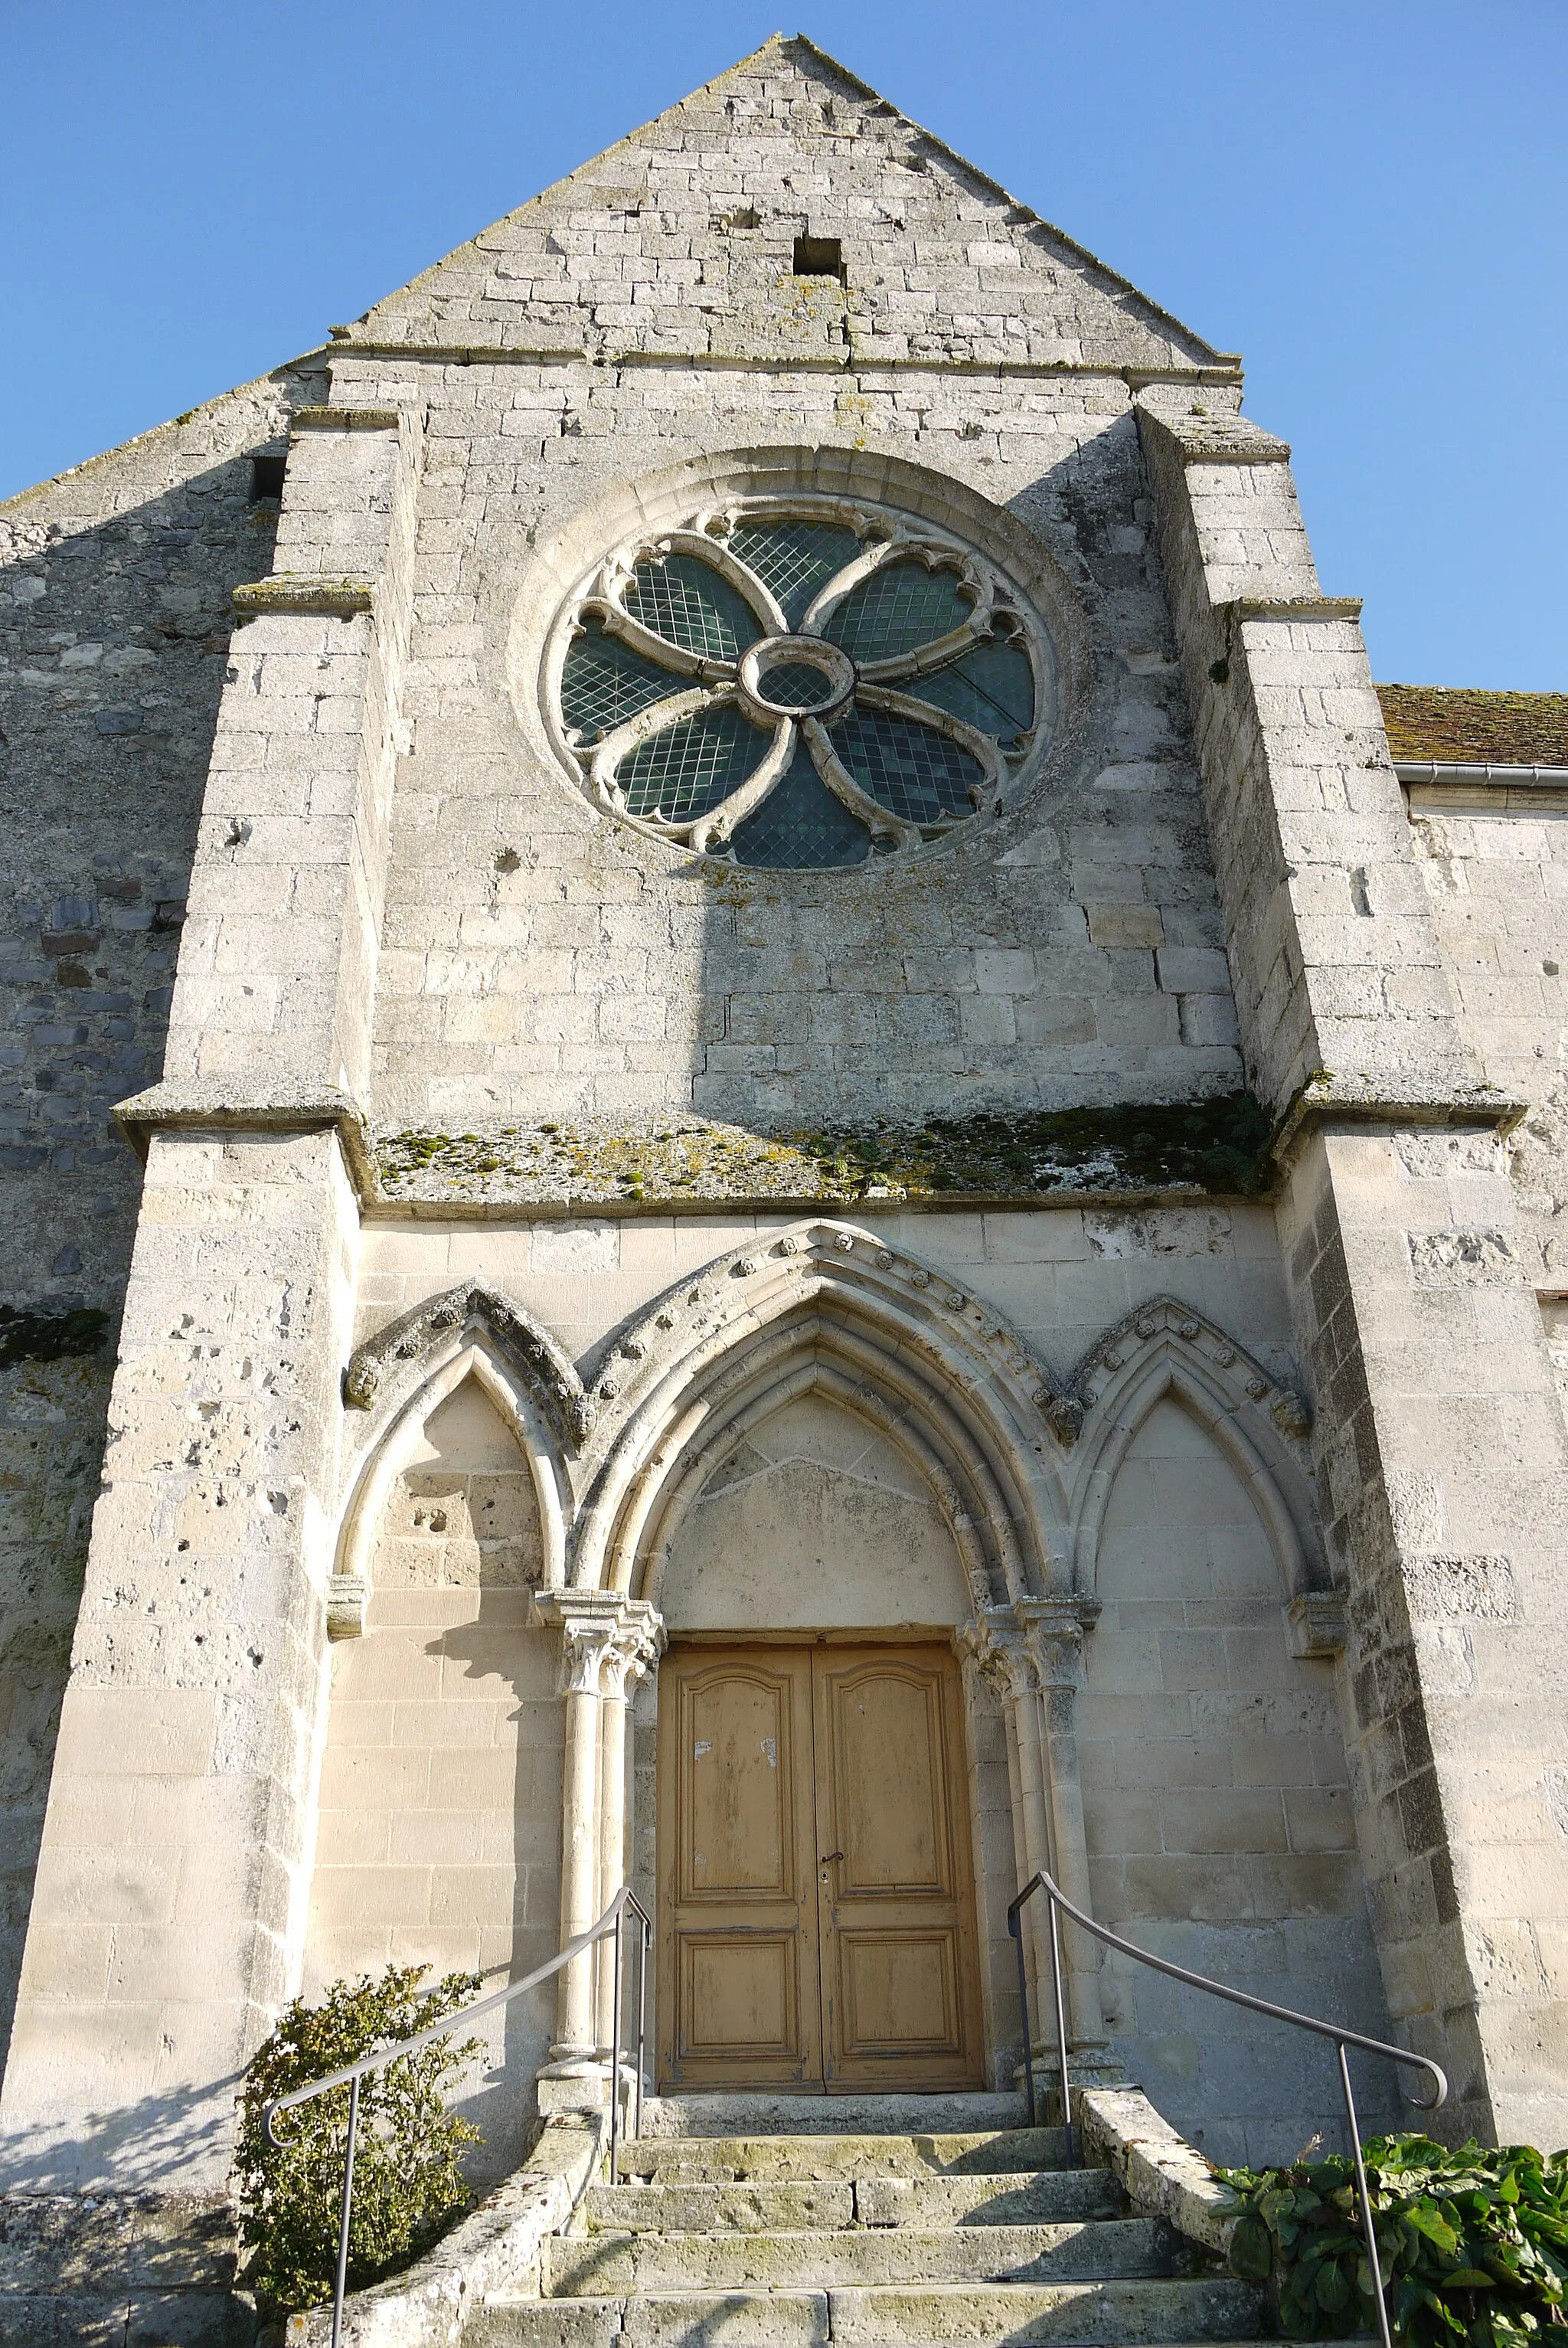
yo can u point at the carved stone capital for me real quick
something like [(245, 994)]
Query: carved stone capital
[(608, 1641), (1029, 1648)]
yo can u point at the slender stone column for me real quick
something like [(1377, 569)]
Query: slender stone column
[(1030, 1652), (630, 1653), (604, 1636)]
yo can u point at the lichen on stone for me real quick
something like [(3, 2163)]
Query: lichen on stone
[(1214, 1147)]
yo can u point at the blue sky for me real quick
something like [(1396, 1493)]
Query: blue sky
[(1367, 200)]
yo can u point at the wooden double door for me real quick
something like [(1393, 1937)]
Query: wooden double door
[(816, 1897)]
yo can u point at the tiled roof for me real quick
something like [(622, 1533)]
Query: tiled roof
[(1457, 727)]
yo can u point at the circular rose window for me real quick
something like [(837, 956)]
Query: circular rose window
[(801, 681)]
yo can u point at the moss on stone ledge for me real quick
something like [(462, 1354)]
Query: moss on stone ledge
[(1208, 1147)]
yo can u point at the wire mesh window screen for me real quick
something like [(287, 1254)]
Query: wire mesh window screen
[(900, 607), (991, 688), (687, 603), (794, 559), (689, 768), (604, 683), (800, 823), (795, 684), (913, 771)]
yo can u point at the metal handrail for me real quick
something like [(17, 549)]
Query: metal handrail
[(1334, 2030), (612, 1921)]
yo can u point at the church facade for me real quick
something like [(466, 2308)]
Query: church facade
[(836, 1174)]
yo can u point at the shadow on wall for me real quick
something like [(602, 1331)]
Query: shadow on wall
[(439, 1834), (115, 623), (1218, 1812)]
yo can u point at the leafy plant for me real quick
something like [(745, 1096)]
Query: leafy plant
[(407, 2179), (1473, 2243)]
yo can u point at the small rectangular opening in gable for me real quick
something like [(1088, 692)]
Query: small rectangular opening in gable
[(819, 256), (267, 474)]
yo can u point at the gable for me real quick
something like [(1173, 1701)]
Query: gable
[(681, 240)]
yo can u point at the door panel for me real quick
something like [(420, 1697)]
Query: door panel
[(815, 1895), (899, 1983), (738, 1932)]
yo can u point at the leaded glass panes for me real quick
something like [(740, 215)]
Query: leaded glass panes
[(801, 823), (900, 607), (913, 771), (795, 559), (692, 766), (991, 688), (604, 683), (692, 593), (686, 603)]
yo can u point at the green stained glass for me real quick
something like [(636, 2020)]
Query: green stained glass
[(682, 599), (801, 824), (896, 610), (795, 684), (991, 688), (604, 683), (794, 559), (913, 771), (687, 769)]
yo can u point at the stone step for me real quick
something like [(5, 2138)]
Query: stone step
[(1164, 2314), (764, 2114), (593, 2265), (818, 2205), (801, 2159)]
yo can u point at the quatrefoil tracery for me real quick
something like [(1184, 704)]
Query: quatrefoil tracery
[(872, 677)]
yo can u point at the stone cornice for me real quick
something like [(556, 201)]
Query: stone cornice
[(295, 592)]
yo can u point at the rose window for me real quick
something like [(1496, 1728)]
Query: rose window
[(800, 682)]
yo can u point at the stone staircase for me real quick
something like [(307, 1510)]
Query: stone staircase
[(781, 2222)]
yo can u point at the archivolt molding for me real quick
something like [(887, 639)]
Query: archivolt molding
[(1258, 1422), (400, 1357), (823, 1306)]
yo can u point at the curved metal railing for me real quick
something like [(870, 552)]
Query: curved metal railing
[(1341, 2036), (612, 1921)]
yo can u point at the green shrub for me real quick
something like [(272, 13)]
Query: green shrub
[(1474, 2242), (407, 2180)]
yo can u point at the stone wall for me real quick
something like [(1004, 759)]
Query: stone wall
[(115, 624)]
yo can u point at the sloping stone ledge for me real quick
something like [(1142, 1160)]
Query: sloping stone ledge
[(1158, 2170), (177, 1107), (1327, 1098), (494, 2250)]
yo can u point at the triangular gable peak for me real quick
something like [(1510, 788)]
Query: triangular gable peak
[(680, 240)]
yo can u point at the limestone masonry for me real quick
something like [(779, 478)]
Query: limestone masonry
[(721, 972)]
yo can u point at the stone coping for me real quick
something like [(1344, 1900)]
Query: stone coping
[(1158, 2170)]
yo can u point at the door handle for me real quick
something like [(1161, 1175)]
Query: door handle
[(827, 1856)]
